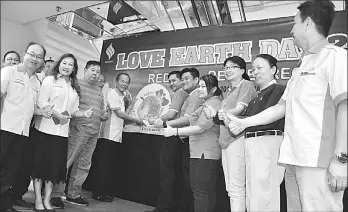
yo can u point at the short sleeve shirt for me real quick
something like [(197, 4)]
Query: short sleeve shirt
[(205, 143), (312, 95), (19, 98), (264, 99), (178, 100), (112, 128), (241, 94), (192, 102)]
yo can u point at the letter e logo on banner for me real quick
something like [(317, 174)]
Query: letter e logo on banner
[(110, 51)]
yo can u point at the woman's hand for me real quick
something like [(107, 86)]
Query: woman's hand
[(47, 111), (169, 131), (222, 115)]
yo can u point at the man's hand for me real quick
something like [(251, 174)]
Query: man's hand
[(169, 131), (88, 113), (63, 119), (337, 175), (159, 123), (140, 122)]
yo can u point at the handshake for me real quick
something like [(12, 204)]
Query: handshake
[(223, 117)]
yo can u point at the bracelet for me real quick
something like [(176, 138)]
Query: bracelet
[(177, 131)]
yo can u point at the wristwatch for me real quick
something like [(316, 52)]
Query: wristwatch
[(164, 124), (342, 157)]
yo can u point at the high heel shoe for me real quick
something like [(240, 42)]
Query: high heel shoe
[(49, 210)]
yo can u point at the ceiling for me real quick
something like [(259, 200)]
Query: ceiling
[(27, 11)]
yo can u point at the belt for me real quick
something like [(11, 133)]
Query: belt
[(262, 133)]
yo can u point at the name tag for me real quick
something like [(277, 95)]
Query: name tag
[(307, 73)]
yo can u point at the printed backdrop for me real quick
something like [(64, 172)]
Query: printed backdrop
[(150, 57)]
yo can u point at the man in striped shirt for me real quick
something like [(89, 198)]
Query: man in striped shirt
[(83, 134)]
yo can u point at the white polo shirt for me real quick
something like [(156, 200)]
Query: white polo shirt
[(19, 94), (112, 128), (312, 95), (64, 98)]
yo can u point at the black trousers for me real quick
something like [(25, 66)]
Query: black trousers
[(11, 147), (170, 174), (203, 175), (22, 182), (102, 175), (187, 195)]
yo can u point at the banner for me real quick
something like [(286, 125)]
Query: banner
[(150, 57)]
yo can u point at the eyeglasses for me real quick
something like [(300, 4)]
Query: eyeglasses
[(32, 55), (12, 59), (229, 68)]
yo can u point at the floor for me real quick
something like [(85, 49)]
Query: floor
[(118, 205)]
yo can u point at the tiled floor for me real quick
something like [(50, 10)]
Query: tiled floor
[(118, 205)]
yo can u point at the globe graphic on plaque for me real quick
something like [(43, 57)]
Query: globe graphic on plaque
[(152, 101)]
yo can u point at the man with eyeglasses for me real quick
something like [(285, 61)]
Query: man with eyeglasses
[(19, 92)]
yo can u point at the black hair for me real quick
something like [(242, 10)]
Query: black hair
[(241, 63), (73, 75), (120, 74), (177, 73), (321, 12), (211, 82), (270, 59), (34, 43), (92, 62), (12, 52), (193, 71)]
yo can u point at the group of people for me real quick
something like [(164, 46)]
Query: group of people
[(295, 133), (52, 122)]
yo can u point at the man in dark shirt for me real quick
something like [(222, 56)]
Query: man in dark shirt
[(169, 153)]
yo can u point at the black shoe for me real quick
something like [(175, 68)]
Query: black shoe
[(21, 205), (156, 210), (57, 203), (103, 198), (77, 201)]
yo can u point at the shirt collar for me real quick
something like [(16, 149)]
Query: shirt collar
[(269, 84), (196, 89), (316, 48), (240, 83), (20, 68)]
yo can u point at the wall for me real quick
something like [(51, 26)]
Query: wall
[(56, 39), (12, 37)]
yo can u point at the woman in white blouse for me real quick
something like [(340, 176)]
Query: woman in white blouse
[(61, 93)]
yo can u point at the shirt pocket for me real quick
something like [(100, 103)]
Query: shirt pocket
[(58, 92), (310, 84)]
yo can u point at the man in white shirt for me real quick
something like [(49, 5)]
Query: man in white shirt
[(314, 103), (109, 142), (19, 92)]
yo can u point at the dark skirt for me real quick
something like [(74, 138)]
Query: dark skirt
[(50, 158)]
